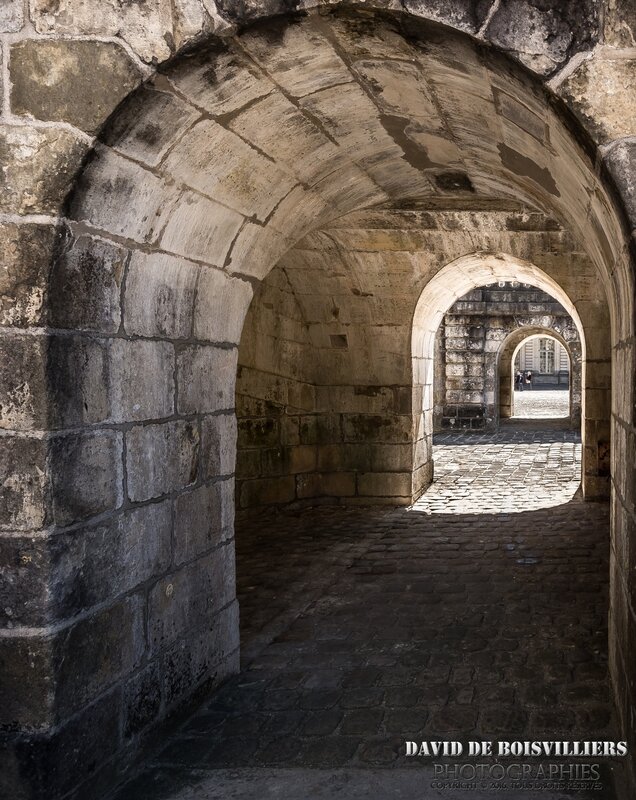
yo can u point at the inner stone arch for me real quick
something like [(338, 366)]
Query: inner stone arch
[(330, 148), (469, 390), (506, 359)]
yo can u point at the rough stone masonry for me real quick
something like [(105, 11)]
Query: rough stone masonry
[(339, 176)]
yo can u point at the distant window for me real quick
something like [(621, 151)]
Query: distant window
[(546, 355)]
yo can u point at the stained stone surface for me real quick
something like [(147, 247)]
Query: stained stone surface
[(469, 615)]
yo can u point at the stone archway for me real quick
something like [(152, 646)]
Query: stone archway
[(118, 400), (506, 357)]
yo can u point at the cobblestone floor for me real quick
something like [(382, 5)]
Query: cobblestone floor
[(479, 613), (535, 403)]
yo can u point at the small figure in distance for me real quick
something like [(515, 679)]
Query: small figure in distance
[(529, 379)]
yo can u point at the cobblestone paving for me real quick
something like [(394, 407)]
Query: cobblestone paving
[(535, 403), (459, 619)]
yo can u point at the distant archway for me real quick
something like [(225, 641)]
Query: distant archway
[(506, 358)]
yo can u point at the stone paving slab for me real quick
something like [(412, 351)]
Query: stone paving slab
[(537, 403), (456, 619)]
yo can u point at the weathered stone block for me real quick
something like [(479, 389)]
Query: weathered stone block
[(133, 210), (25, 255), (86, 475), (95, 652), (238, 176), (268, 491), (159, 297), (142, 699), (600, 92), (302, 458), (621, 161), (544, 35), (148, 123), (191, 596), (58, 757), (147, 26), (206, 378), (204, 518), (465, 15), (49, 80), (377, 428), (23, 492), (261, 432), (221, 306), (49, 578), (201, 229), (85, 286), (23, 384), (218, 444), (26, 662), (142, 380), (620, 23), (161, 459), (327, 484), (204, 660), (235, 83), (40, 165), (385, 484), (78, 378), (11, 16)]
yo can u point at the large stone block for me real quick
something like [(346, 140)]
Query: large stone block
[(148, 123), (159, 297), (327, 484), (202, 660), (78, 378), (142, 380), (11, 16), (26, 662), (601, 94), (190, 597), (204, 518), (23, 491), (119, 196), (97, 651), (142, 699), (161, 459), (465, 15), (238, 176), (23, 383), (221, 306), (86, 475), (218, 444), (201, 229), (145, 26), (268, 491), (234, 82), (544, 35), (85, 286), (51, 765), (206, 377), (40, 165), (385, 484), (45, 579), (621, 161), (50, 83), (620, 23), (25, 256)]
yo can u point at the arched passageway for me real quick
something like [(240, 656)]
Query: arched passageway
[(508, 357), (469, 390), (372, 163)]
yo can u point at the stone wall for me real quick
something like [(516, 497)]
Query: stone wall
[(136, 223), (473, 379)]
